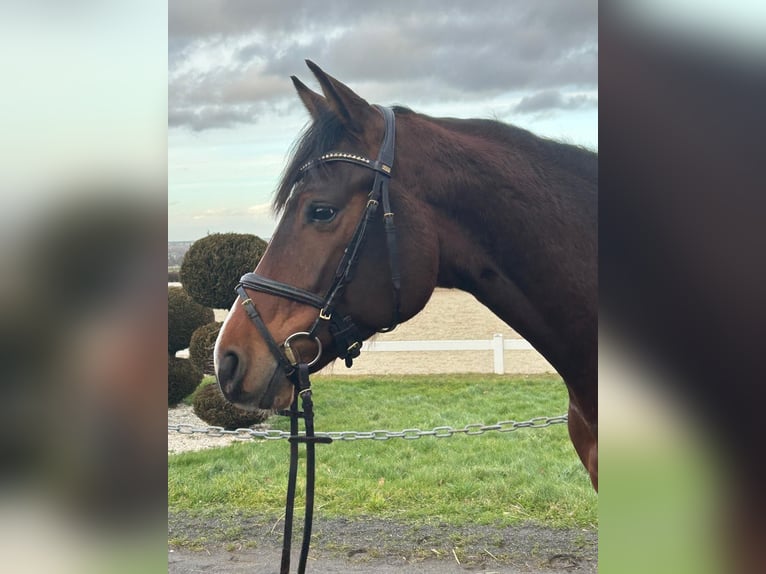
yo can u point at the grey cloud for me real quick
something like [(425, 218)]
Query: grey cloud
[(416, 50), (553, 99), (199, 118)]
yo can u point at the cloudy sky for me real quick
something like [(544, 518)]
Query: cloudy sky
[(232, 111)]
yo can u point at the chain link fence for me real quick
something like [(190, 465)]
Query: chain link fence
[(407, 434)]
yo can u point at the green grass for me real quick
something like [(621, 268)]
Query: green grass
[(496, 478)]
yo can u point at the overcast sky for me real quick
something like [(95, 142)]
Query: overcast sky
[(232, 111)]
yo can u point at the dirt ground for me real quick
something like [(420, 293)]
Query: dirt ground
[(379, 547), (252, 544)]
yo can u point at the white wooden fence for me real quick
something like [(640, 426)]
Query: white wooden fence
[(497, 344)]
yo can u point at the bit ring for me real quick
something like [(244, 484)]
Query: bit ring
[(291, 354)]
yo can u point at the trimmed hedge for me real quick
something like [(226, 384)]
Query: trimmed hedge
[(201, 346), (183, 379), (213, 265), (212, 407), (184, 316)]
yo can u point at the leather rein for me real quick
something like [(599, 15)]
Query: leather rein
[(345, 334)]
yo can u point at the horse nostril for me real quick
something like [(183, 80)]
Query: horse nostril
[(229, 374)]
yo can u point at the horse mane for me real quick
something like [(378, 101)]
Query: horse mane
[(578, 160), (325, 132)]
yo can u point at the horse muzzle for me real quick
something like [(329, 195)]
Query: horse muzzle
[(241, 387)]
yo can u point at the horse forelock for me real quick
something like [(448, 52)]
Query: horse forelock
[(319, 137)]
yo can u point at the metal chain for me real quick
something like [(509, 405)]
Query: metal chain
[(407, 434)]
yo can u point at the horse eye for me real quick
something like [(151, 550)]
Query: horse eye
[(322, 213)]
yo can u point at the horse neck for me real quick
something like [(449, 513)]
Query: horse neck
[(518, 231)]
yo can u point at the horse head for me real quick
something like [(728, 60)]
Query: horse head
[(331, 264)]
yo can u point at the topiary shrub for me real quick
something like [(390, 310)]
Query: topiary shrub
[(212, 407), (213, 265), (201, 346), (183, 379), (184, 316)]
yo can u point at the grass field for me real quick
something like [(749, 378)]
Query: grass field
[(495, 478)]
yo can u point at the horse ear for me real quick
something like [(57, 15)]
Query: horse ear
[(314, 103), (349, 107)]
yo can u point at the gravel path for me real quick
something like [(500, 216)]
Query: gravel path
[(177, 442)]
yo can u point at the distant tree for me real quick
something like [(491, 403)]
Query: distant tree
[(214, 264)]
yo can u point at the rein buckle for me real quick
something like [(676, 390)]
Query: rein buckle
[(356, 345)]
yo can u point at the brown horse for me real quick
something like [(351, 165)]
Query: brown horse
[(480, 206)]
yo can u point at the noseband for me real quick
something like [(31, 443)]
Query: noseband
[(346, 337), (345, 334)]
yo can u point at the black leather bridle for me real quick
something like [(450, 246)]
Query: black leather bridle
[(344, 332)]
